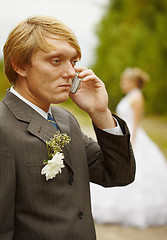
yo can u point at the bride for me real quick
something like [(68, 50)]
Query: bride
[(144, 202)]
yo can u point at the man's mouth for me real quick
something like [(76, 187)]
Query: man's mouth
[(65, 86)]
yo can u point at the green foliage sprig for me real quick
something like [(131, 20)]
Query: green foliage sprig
[(56, 144)]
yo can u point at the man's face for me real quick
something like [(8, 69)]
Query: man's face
[(49, 77)]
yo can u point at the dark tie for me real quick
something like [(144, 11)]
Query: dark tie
[(52, 121)]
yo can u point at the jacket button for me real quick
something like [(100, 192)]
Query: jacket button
[(80, 215), (71, 181)]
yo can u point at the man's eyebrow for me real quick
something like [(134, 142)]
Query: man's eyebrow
[(62, 54), (76, 56)]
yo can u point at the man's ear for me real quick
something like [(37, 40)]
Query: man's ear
[(20, 70)]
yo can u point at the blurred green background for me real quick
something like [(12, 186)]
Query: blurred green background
[(133, 33)]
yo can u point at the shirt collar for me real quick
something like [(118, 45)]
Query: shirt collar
[(37, 109)]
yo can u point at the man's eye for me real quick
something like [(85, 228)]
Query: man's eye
[(74, 62), (55, 61)]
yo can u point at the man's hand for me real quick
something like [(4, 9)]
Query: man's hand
[(92, 97)]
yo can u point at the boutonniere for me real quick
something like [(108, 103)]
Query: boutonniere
[(55, 156)]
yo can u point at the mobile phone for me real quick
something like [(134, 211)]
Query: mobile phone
[(75, 84)]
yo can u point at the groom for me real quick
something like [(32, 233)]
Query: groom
[(40, 55)]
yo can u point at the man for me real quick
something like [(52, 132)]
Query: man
[(40, 55)]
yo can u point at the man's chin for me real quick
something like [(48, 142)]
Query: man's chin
[(61, 99)]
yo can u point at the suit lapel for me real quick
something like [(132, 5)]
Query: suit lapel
[(40, 127), (37, 125)]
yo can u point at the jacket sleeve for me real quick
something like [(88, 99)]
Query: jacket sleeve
[(111, 162), (7, 186)]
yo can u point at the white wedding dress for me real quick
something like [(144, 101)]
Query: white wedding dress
[(144, 202)]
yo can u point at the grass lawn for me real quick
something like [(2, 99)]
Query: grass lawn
[(156, 128)]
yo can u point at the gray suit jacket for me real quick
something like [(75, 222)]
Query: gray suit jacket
[(32, 208)]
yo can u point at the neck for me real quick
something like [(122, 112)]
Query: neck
[(24, 96)]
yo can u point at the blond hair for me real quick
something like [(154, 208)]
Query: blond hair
[(30, 35), (136, 74)]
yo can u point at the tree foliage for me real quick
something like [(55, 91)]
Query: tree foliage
[(133, 33), (4, 83)]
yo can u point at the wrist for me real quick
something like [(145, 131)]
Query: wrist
[(103, 120)]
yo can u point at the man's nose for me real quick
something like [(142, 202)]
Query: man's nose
[(69, 71)]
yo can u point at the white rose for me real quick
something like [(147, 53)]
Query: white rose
[(53, 166)]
